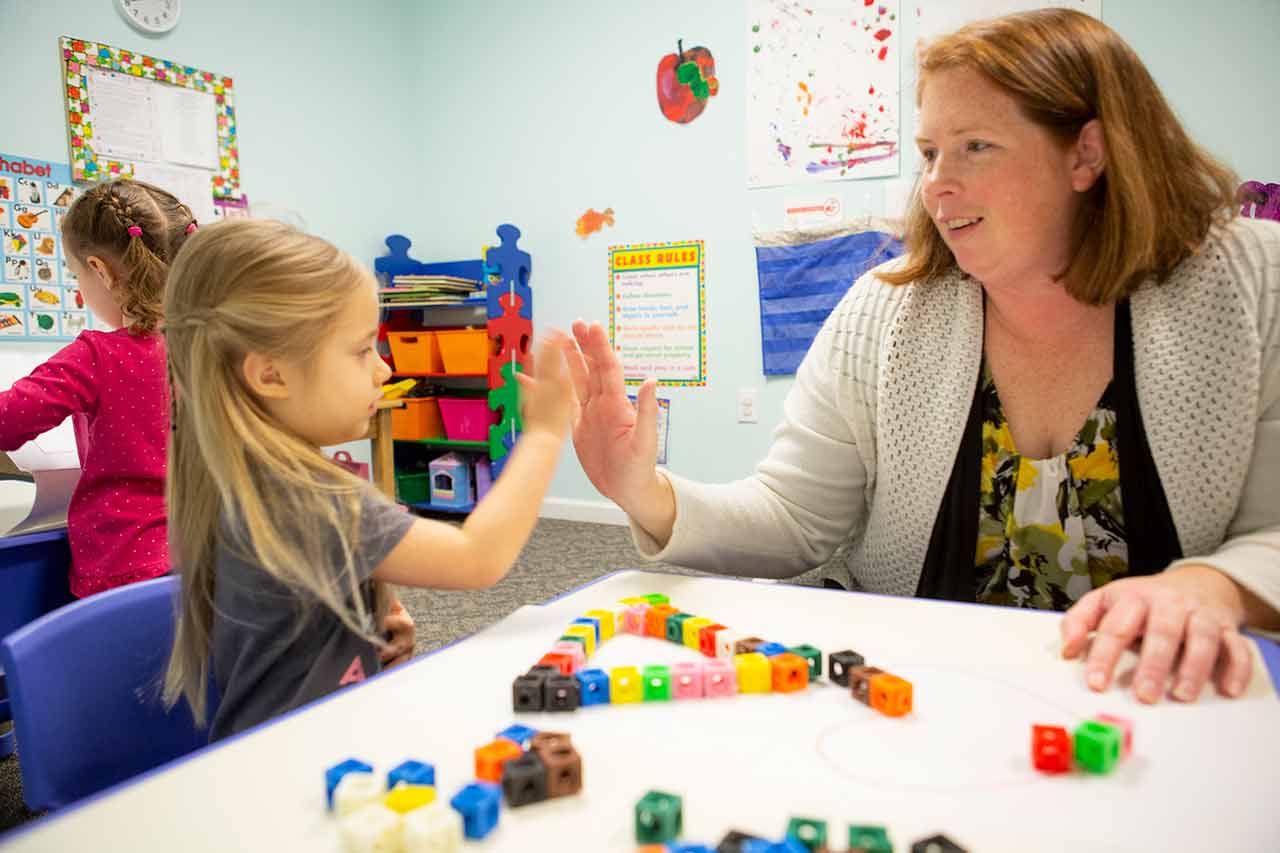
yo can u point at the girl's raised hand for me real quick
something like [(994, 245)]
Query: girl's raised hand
[(546, 394)]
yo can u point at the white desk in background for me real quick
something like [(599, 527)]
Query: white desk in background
[(1203, 777)]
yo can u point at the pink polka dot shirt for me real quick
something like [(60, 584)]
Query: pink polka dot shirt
[(114, 387)]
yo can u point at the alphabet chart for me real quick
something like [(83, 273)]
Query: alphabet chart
[(39, 296)]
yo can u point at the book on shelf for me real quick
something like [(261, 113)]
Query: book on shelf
[(424, 290)]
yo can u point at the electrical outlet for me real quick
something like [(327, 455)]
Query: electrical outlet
[(747, 406)]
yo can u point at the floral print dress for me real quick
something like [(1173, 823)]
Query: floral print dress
[(1049, 530)]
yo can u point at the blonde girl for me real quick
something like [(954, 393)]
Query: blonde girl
[(271, 337)]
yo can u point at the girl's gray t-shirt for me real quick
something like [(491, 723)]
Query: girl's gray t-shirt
[(274, 650)]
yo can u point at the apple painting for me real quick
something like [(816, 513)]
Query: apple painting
[(686, 81)]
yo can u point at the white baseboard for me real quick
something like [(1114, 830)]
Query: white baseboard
[(595, 512)]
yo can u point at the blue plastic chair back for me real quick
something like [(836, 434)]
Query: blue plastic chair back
[(84, 682), (34, 579)]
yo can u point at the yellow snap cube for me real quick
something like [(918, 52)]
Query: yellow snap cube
[(606, 623), (404, 798), (755, 674), (587, 633), (625, 685), (691, 628), (635, 599)]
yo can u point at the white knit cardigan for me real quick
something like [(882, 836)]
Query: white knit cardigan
[(873, 423)]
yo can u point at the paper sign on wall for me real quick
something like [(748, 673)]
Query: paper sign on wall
[(657, 312), (664, 425), (39, 295)]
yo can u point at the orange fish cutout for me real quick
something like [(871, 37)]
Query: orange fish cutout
[(593, 221)]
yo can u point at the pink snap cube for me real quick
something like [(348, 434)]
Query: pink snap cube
[(686, 680), (574, 651), (1125, 725), (719, 678), (633, 621)]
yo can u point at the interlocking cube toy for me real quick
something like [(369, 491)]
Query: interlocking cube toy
[(686, 680), (372, 827), (719, 678), (434, 828), (1050, 749), (478, 803), (657, 683), (754, 673), (1097, 746), (839, 664), (789, 673), (593, 687), (625, 685), (334, 775), (491, 757), (659, 818), (808, 831), (356, 790), (524, 780), (411, 773), (403, 798), (891, 695)]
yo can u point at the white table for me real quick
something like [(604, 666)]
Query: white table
[(1203, 776)]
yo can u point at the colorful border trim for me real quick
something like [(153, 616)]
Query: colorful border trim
[(81, 54)]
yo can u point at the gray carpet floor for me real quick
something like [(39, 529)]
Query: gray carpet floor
[(561, 556)]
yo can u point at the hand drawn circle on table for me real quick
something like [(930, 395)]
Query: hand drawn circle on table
[(967, 732)]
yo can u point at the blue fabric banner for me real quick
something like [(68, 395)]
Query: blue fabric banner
[(800, 284)]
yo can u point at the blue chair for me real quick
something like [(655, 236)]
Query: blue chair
[(85, 682), (34, 571)]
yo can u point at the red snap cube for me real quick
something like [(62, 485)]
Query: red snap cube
[(1050, 749)]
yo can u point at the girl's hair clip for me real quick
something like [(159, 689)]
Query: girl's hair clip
[(135, 231), (191, 228)]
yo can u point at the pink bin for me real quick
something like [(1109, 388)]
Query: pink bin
[(466, 419)]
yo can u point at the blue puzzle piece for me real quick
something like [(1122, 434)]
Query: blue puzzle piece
[(334, 775), (500, 462), (515, 266), (478, 804)]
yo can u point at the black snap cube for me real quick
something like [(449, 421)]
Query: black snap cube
[(561, 693), (839, 664), (734, 841), (527, 692), (936, 844), (524, 780)]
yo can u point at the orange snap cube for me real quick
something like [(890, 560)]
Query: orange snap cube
[(655, 620), (890, 695), (491, 757), (790, 673)]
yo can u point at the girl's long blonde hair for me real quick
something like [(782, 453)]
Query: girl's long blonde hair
[(236, 477)]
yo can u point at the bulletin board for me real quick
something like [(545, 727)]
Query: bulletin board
[(132, 115), (39, 296)]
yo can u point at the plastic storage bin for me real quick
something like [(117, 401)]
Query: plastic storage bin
[(413, 488), (419, 419), (464, 350), (467, 419), (415, 352)]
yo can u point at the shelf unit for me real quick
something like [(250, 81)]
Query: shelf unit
[(504, 309)]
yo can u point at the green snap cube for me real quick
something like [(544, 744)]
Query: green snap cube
[(1097, 746), (869, 839), (659, 818), (811, 833), (657, 683)]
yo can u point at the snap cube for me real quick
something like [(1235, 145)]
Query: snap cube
[(373, 827), (434, 828), (592, 623), (404, 798), (659, 818), (788, 673), (869, 839), (747, 645), (491, 757), (691, 628), (839, 664), (527, 691), (707, 639), (517, 734), (607, 623), (1125, 726), (812, 656), (808, 831), (860, 682), (334, 775), (524, 780), (593, 687), (625, 685), (657, 683), (1097, 746), (478, 803), (355, 790), (561, 694), (686, 680), (675, 627), (755, 675), (719, 678), (891, 695), (1050, 749), (655, 620), (564, 769)]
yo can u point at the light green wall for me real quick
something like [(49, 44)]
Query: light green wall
[(448, 118)]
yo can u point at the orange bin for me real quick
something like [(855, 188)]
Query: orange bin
[(420, 418), (415, 352), (464, 350)]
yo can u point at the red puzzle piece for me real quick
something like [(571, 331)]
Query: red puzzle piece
[(512, 332)]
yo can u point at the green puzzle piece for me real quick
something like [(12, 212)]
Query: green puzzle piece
[(506, 398)]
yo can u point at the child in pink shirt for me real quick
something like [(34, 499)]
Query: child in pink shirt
[(119, 239)]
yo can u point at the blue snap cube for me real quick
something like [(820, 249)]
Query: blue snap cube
[(690, 848), (478, 804), (788, 845), (412, 773), (518, 734), (593, 687), (334, 775), (771, 649), (594, 623), (756, 845)]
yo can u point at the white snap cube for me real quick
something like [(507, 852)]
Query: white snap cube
[(357, 790), (372, 829), (725, 641), (434, 828)]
